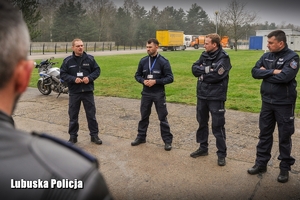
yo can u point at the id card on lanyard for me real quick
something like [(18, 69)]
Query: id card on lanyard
[(150, 76)]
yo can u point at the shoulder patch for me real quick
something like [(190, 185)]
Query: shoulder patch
[(221, 71), (293, 64)]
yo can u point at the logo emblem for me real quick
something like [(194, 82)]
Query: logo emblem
[(221, 71), (293, 64)]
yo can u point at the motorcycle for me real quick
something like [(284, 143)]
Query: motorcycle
[(50, 78)]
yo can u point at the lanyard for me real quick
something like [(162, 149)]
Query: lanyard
[(152, 66)]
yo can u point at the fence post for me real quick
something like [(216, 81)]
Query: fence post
[(67, 48), (110, 47), (55, 48), (43, 48), (30, 49), (130, 46), (95, 47), (117, 47), (124, 47), (102, 46)]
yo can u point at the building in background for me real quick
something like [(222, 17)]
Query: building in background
[(259, 42)]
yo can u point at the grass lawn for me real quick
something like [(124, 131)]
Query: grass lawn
[(117, 78)]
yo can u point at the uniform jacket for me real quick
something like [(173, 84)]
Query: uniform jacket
[(161, 72), (38, 161), (212, 70), (72, 65), (279, 88)]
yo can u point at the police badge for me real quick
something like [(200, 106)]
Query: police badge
[(293, 64), (221, 71)]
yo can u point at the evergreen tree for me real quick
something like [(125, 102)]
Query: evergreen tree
[(121, 32), (31, 15), (197, 21), (71, 22)]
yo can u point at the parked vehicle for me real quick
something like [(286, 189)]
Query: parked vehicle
[(50, 78), (188, 40), (170, 40), (199, 40)]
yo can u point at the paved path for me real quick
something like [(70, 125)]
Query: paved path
[(148, 171)]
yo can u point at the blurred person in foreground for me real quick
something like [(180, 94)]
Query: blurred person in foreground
[(34, 165), (212, 71), (277, 69), (154, 72)]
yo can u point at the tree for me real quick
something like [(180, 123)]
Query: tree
[(237, 19), (167, 19), (197, 21), (121, 31), (137, 14), (31, 15), (102, 12), (146, 29), (47, 8), (70, 22)]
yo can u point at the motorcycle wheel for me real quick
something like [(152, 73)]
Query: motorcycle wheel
[(44, 89)]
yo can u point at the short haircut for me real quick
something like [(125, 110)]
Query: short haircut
[(153, 40), (215, 38), (14, 40), (75, 40), (279, 35)]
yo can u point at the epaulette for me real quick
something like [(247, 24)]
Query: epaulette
[(145, 57), (163, 57), (68, 145), (67, 58), (90, 56), (225, 52)]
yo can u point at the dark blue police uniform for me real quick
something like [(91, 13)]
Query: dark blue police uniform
[(212, 70), (279, 95), (88, 67), (159, 67)]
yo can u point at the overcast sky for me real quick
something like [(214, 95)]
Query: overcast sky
[(279, 12)]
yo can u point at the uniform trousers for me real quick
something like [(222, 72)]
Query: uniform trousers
[(87, 98), (159, 100), (284, 116), (217, 111)]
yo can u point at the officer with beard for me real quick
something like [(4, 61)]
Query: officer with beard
[(154, 72)]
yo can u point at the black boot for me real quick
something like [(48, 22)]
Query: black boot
[(72, 140), (96, 139), (283, 176)]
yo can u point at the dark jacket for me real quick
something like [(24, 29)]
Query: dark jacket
[(35, 159), (161, 71), (85, 64), (212, 70), (279, 88)]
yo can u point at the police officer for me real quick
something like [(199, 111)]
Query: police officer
[(212, 71), (277, 69), (80, 70), (35, 166), (154, 72)]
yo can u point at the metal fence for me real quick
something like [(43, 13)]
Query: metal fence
[(59, 47)]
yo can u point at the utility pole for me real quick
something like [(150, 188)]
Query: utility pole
[(216, 13)]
